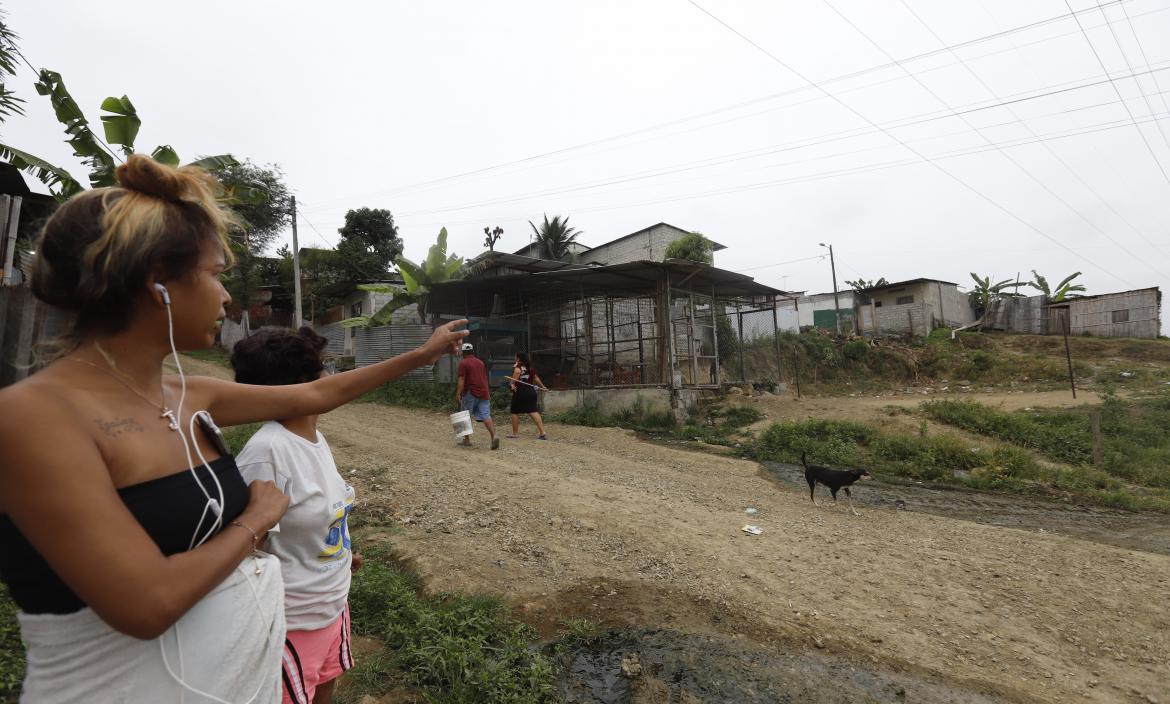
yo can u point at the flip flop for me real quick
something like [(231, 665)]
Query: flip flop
[(512, 437), (542, 437), (495, 443)]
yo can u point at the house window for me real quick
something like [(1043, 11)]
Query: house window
[(903, 300), (877, 304), (355, 309), (1121, 316)]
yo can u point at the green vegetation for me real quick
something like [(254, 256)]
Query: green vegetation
[(1135, 435), (450, 647), (215, 355), (694, 246), (825, 364), (712, 424), (433, 396), (11, 649), (949, 459)]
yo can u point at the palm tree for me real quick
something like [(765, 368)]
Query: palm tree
[(1062, 290), (555, 238)]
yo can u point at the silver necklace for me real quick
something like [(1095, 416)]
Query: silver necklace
[(164, 412)]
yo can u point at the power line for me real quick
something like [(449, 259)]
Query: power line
[(1052, 151), (949, 174), (1137, 40), (709, 113), (881, 166), (767, 151), (1118, 91), (314, 229), (1023, 169), (1140, 87)]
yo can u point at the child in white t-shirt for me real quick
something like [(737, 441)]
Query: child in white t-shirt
[(313, 539)]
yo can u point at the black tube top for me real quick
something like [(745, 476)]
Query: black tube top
[(168, 508)]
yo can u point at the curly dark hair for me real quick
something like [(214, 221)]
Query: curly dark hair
[(279, 356)]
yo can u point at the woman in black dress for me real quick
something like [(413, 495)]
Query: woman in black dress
[(524, 398)]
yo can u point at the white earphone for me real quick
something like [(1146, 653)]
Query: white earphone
[(214, 505)]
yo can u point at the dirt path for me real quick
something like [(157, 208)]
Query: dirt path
[(597, 523)]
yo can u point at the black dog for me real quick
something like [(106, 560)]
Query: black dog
[(835, 479)]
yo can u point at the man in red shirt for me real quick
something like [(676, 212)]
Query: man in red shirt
[(472, 393)]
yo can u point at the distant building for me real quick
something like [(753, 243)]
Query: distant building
[(820, 310), (913, 307), (646, 245)]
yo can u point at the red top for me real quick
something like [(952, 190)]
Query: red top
[(474, 376)]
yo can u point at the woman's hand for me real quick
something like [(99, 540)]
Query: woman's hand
[(444, 340), (265, 506)]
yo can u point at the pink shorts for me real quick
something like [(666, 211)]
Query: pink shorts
[(315, 657)]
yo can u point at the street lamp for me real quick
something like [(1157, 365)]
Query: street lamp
[(836, 303)]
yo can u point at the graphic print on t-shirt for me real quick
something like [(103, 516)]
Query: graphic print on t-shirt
[(337, 539)]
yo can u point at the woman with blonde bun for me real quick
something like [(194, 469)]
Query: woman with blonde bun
[(128, 538)]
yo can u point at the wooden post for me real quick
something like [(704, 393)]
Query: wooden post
[(691, 334), (715, 340), (1068, 355), (742, 366), (1095, 422)]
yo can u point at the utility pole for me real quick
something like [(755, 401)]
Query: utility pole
[(298, 320), (836, 302)]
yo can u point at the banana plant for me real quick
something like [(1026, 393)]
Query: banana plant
[(1063, 291), (436, 268), (985, 293), (120, 125)]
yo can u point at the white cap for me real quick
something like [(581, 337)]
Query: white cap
[(467, 347)]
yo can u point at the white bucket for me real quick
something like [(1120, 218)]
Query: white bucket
[(461, 423)]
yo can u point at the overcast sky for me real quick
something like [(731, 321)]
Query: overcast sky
[(622, 114)]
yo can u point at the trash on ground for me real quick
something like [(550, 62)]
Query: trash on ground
[(752, 530)]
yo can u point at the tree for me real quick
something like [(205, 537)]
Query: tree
[(369, 244), (491, 236), (264, 209), (1063, 291), (9, 51), (985, 293), (861, 284), (436, 268), (555, 238), (262, 219), (694, 246)]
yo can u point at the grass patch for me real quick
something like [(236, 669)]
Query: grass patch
[(433, 396), (11, 649), (708, 423), (946, 458), (1135, 434), (238, 435), (215, 355), (450, 647)]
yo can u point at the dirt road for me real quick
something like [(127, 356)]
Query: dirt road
[(596, 523)]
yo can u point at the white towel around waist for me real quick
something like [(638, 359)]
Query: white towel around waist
[(227, 646)]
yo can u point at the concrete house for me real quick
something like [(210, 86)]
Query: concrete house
[(913, 307), (646, 245), (820, 310)]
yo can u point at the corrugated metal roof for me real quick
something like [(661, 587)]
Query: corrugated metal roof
[(630, 277)]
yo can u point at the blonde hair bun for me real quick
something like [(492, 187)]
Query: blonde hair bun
[(144, 175)]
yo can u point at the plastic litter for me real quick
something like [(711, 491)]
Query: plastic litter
[(752, 530), (750, 511)]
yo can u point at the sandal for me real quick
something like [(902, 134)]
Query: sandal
[(511, 437), (542, 437)]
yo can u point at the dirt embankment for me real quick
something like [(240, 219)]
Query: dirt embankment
[(599, 524)]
